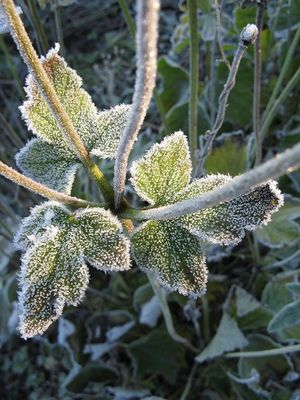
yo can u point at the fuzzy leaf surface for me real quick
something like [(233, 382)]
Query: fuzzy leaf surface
[(226, 223), (172, 254), (163, 171), (53, 269), (48, 164)]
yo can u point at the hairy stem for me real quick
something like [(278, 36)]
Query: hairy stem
[(131, 27), (193, 78), (223, 100), (35, 67), (257, 85), (287, 161), (40, 189), (146, 42)]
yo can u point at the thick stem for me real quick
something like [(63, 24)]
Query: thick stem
[(281, 164), (146, 42), (35, 67), (193, 78), (257, 85), (40, 189)]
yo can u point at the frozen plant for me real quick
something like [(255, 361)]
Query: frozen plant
[(60, 237)]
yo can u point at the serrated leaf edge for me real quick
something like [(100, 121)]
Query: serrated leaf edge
[(156, 147), (156, 274)]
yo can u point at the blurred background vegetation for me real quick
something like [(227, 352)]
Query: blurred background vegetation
[(120, 343)]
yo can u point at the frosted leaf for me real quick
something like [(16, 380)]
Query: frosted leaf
[(99, 131), (104, 141), (172, 254), (226, 223), (75, 100), (40, 220), (104, 245), (53, 269), (51, 277), (163, 171), (48, 164)]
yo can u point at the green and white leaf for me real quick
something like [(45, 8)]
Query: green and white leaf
[(48, 164), (104, 141), (172, 254), (76, 101), (163, 171), (226, 223), (59, 244), (227, 338), (51, 277), (245, 302), (288, 316), (37, 224)]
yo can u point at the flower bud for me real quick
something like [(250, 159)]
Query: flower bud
[(249, 34)]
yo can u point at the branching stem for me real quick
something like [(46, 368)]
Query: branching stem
[(35, 67), (287, 161), (219, 34), (40, 189), (146, 42)]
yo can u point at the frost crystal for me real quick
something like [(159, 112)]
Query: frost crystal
[(58, 245), (171, 249), (56, 165)]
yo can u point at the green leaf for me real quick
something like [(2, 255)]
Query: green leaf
[(51, 277), (282, 230), (288, 316), (156, 353), (76, 101), (172, 254), (245, 302), (227, 338), (100, 132), (104, 141), (294, 288), (163, 171), (48, 164), (226, 223), (228, 156), (175, 83), (53, 268), (41, 218)]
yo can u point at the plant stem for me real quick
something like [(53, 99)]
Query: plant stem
[(131, 27), (35, 67), (189, 383), (287, 161), (161, 297), (40, 189), (257, 85), (127, 16), (146, 42), (272, 111), (205, 314), (283, 71), (264, 353), (219, 34), (59, 30), (193, 78), (223, 100), (40, 33)]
